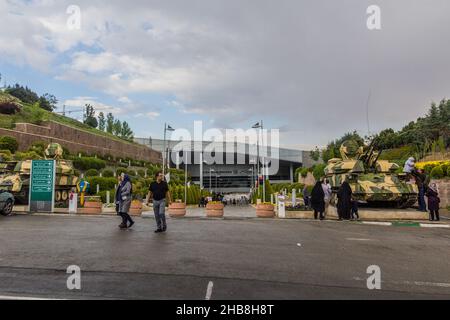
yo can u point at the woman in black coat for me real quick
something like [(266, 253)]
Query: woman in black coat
[(433, 201), (318, 200), (344, 205)]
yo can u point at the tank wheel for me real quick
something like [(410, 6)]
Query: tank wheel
[(58, 196), (64, 195), (7, 209)]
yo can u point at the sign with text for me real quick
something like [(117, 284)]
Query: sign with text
[(42, 186)]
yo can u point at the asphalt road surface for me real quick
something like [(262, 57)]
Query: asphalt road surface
[(220, 259)]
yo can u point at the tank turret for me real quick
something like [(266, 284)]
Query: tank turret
[(372, 180)]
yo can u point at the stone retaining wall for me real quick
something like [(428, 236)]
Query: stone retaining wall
[(444, 191), (77, 140)]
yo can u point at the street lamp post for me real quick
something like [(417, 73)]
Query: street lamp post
[(166, 128), (260, 126), (210, 180)]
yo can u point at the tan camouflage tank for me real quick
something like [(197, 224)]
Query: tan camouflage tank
[(372, 181), (15, 176)]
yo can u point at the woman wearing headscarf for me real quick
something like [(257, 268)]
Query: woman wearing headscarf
[(125, 193), (318, 201), (433, 201), (344, 205)]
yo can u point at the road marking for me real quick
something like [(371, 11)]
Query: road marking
[(24, 298), (429, 225), (299, 244), (414, 283), (357, 239), (209, 290), (378, 223)]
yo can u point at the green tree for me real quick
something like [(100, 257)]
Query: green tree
[(126, 133), (109, 123), (332, 149), (89, 116), (23, 93), (117, 128), (315, 154), (101, 121), (48, 102)]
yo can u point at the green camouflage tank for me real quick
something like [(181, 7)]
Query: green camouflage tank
[(372, 181), (15, 176)]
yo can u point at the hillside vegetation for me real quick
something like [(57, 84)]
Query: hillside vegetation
[(33, 113)]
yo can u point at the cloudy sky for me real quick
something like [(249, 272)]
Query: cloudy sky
[(305, 67)]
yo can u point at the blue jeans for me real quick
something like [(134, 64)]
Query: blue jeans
[(421, 200), (159, 208)]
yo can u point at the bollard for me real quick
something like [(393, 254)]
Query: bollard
[(108, 197), (294, 197), (98, 189)]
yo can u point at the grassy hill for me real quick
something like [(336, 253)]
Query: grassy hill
[(36, 115)]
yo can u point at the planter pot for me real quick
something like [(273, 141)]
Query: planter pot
[(136, 208), (214, 210), (177, 209), (92, 207), (265, 211)]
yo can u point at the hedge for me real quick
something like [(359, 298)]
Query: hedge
[(8, 143), (86, 163), (92, 173), (437, 173), (107, 173), (104, 183)]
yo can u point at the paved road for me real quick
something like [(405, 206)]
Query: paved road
[(240, 259)]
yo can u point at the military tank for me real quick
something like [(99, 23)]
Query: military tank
[(373, 181), (15, 176)]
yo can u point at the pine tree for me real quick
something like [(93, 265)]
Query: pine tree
[(117, 128), (126, 132), (109, 123), (101, 121)]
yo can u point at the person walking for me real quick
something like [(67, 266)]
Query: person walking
[(318, 201), (328, 194), (159, 192), (125, 192), (433, 202), (344, 204)]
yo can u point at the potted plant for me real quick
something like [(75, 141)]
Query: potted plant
[(214, 209), (265, 210), (92, 205), (136, 207), (177, 209)]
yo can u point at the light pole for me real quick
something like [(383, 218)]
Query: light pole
[(166, 128), (210, 180), (260, 126)]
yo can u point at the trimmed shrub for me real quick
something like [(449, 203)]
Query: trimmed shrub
[(102, 195), (86, 163), (121, 170), (104, 183), (448, 172), (91, 173), (38, 147), (437, 173), (107, 173), (8, 143), (5, 155), (31, 155)]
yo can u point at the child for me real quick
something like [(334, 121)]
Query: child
[(355, 214)]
